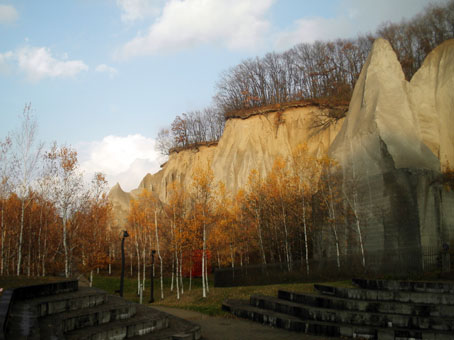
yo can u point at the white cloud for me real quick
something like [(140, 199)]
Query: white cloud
[(5, 59), (125, 160), (355, 16), (133, 10), (184, 24), (38, 62), (310, 30), (111, 71), (8, 14)]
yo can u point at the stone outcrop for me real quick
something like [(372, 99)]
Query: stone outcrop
[(396, 138), (390, 147), (246, 144), (431, 97), (120, 204)]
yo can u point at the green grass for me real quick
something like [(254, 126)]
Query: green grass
[(193, 300)]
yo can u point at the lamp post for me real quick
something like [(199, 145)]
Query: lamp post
[(122, 278), (152, 277)]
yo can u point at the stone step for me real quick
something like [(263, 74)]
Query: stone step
[(408, 286), (139, 325), (47, 289), (83, 298), (374, 306), (23, 322), (241, 308), (354, 317), (179, 329), (385, 295), (115, 309), (144, 321)]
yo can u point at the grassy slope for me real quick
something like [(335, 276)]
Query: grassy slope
[(193, 299)]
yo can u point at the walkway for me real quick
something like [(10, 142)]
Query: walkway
[(219, 328)]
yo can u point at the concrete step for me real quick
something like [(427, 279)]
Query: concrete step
[(47, 289), (23, 322), (143, 321), (373, 306), (121, 329), (407, 286), (241, 308), (115, 309), (83, 298), (178, 329), (352, 317), (386, 295)]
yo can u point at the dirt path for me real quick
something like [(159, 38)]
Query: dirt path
[(218, 328)]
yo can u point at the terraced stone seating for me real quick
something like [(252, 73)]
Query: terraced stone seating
[(72, 312), (376, 309)]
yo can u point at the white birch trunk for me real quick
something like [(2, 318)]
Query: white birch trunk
[(173, 275), (177, 283), (65, 247), (21, 235), (158, 249), (2, 265), (144, 270), (138, 268), (204, 290), (181, 273), (259, 229)]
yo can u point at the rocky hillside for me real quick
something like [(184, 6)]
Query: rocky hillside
[(391, 124)]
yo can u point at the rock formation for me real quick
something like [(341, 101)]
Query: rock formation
[(396, 137), (120, 204), (247, 144), (390, 147)]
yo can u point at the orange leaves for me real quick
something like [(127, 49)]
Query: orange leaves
[(65, 156)]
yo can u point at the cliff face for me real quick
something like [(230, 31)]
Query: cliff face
[(431, 96), (247, 144), (391, 145), (120, 204)]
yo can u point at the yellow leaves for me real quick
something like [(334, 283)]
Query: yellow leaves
[(202, 182)]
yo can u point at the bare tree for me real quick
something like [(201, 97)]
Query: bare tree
[(5, 189), (26, 157), (164, 141), (67, 191)]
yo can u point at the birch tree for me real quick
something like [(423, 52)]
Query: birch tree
[(5, 190), (27, 152), (202, 195), (67, 191)]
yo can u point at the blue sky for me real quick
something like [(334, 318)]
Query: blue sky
[(104, 76)]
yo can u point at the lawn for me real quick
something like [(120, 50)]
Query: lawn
[(193, 299)]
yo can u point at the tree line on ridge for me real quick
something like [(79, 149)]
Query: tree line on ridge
[(325, 70)]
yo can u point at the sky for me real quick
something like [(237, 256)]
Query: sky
[(104, 76)]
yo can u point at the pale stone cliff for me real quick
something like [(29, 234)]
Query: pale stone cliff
[(395, 138), (390, 146), (246, 144), (120, 204)]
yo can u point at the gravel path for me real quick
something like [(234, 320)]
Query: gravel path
[(219, 328)]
